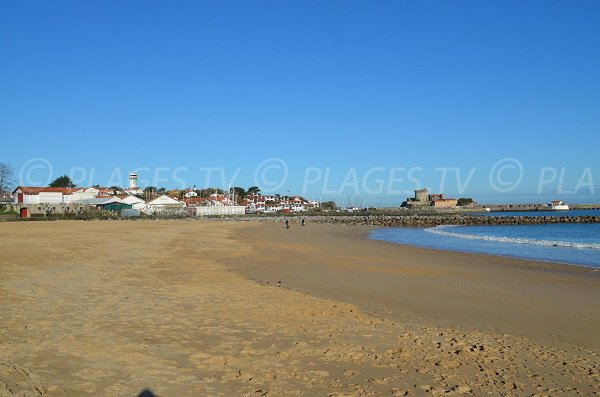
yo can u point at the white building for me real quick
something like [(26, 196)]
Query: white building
[(258, 204), (52, 195), (135, 202), (133, 187), (164, 205), (273, 208), (189, 193), (312, 204), (219, 200)]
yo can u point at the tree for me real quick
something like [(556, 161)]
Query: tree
[(253, 191), (62, 181), (329, 206), (463, 201), (7, 174), (176, 193), (238, 192), (208, 191), (149, 193)]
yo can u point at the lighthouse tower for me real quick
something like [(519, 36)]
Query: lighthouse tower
[(133, 181), (133, 187)]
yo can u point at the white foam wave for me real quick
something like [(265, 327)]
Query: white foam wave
[(441, 230)]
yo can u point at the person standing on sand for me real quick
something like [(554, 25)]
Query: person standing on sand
[(287, 224), (303, 221)]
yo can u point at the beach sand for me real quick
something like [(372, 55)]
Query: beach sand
[(190, 308)]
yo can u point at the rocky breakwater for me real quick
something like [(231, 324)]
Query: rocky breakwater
[(423, 221)]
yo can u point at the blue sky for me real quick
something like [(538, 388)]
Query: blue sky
[(356, 101)]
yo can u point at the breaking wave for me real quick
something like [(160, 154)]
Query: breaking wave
[(442, 230)]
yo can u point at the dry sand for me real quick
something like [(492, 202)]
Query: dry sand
[(221, 309)]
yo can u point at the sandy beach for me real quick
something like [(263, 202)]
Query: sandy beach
[(192, 308)]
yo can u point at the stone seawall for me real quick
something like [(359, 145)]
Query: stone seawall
[(421, 221)]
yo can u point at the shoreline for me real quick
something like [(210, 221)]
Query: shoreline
[(503, 274), (565, 265), (545, 265)]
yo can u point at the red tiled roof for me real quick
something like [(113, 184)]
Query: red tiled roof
[(194, 200), (38, 190)]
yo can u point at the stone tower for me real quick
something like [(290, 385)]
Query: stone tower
[(421, 195)]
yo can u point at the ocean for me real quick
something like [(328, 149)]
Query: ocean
[(569, 243)]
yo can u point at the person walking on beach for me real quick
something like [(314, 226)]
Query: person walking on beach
[(303, 221), (287, 224)]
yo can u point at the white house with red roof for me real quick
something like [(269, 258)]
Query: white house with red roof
[(274, 203), (189, 193), (56, 195)]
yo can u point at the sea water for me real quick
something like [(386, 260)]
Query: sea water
[(570, 243)]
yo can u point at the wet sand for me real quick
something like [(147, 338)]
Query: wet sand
[(189, 308), (549, 302)]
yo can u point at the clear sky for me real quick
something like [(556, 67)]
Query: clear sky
[(357, 101)]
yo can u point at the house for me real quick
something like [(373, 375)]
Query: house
[(297, 204), (270, 208), (28, 200), (106, 191), (219, 200), (57, 195), (312, 204), (52, 195), (189, 193), (196, 201), (258, 204), (441, 201), (444, 203), (40, 195), (254, 208), (164, 205)]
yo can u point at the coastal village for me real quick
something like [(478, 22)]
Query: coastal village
[(132, 201)]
